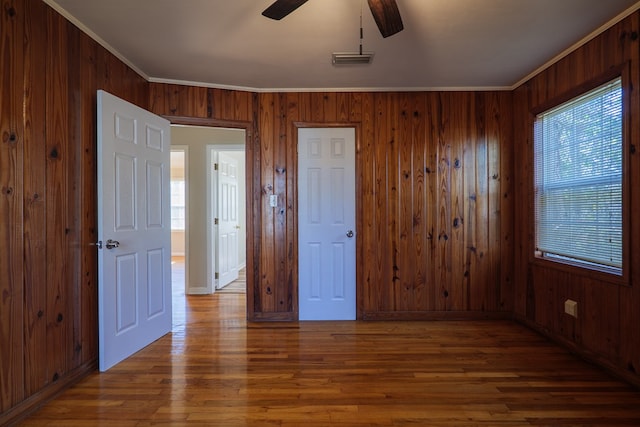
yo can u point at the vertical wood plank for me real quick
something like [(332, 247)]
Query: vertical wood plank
[(267, 145), (343, 104), (305, 107), (404, 266), (158, 99), (522, 203), (383, 285), (316, 106), (12, 388), (443, 205), (432, 183), (35, 302), (420, 255), (356, 108), (228, 100), (601, 329), (502, 147), (254, 205), (472, 201), (88, 280), (116, 78), (493, 178), (330, 107), (391, 141), (367, 226), (291, 199), (485, 298), (190, 101), (281, 285), (458, 134), (59, 323), (216, 103), (73, 210), (242, 105)]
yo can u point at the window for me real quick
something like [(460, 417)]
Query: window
[(177, 205), (578, 180)]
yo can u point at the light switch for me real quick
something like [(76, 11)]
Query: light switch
[(273, 200)]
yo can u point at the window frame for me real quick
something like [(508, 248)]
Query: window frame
[(576, 267)]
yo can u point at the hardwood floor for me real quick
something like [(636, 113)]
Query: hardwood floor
[(238, 286), (217, 370)]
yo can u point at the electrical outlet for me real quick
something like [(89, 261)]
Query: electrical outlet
[(571, 308), (273, 200)]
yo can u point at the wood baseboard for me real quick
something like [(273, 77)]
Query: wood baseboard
[(436, 315), (272, 317)]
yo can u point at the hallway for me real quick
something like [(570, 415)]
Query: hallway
[(180, 300)]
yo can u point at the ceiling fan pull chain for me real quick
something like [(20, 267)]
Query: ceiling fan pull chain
[(361, 31)]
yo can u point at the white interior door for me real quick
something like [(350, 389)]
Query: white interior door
[(326, 224), (134, 226), (228, 221)]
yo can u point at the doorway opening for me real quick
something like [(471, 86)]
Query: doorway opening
[(227, 206), (179, 216), (203, 257)]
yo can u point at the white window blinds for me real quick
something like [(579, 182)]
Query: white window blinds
[(578, 179)]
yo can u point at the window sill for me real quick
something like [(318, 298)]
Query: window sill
[(581, 270)]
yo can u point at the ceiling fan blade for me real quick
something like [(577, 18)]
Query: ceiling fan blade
[(387, 16), (281, 8)]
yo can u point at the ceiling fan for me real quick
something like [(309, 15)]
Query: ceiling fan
[(385, 13)]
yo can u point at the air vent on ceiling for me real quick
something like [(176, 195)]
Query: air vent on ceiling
[(346, 58)]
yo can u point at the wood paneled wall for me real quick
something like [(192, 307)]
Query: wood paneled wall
[(435, 210), (607, 327), (436, 219), (48, 268)]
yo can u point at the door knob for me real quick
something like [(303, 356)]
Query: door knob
[(350, 233), (111, 244)]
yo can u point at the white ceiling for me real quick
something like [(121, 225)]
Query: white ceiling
[(446, 44)]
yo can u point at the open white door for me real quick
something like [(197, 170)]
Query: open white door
[(326, 224), (134, 228), (227, 220)]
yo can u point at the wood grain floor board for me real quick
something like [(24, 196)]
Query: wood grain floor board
[(215, 369)]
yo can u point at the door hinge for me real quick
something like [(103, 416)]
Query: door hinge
[(215, 166), (217, 275), (215, 221)]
